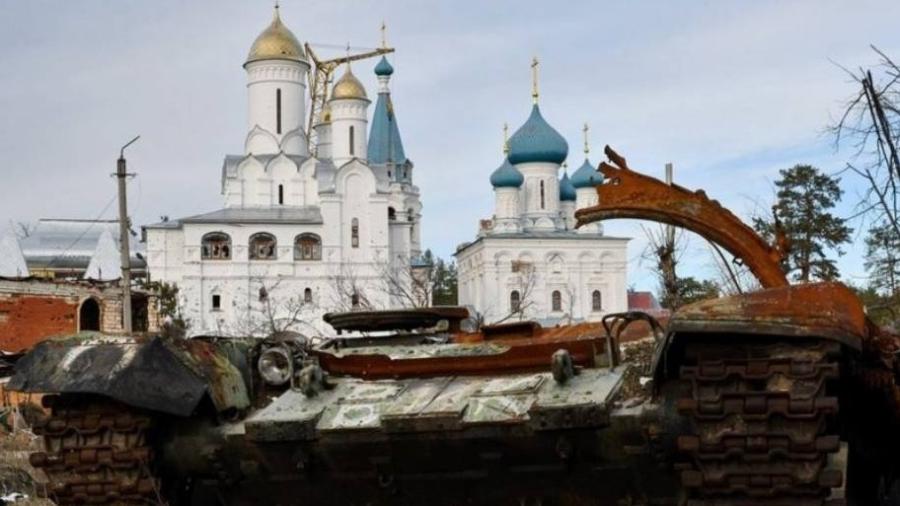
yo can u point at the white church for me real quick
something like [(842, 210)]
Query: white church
[(528, 260), (300, 232)]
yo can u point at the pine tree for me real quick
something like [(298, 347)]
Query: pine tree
[(804, 200), (883, 260)]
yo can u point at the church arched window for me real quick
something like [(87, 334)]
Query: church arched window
[(215, 246), (354, 299), (542, 194), (307, 296), (352, 139), (281, 194), (262, 246), (556, 301), (307, 246), (392, 214), (515, 301), (596, 301), (354, 233), (410, 215), (278, 110)]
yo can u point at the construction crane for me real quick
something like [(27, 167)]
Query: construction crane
[(322, 75)]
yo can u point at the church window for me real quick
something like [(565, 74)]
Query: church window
[(215, 246), (216, 302), (542, 194), (307, 296), (308, 247), (354, 299), (281, 194), (278, 110), (596, 301), (392, 214), (515, 301), (556, 300), (262, 246), (352, 141), (354, 233), (410, 215)]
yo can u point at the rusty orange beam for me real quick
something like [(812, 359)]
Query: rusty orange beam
[(629, 194)]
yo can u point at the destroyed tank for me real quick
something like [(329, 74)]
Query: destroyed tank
[(786, 395)]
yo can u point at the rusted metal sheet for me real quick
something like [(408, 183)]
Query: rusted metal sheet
[(397, 319), (146, 373), (495, 357), (379, 408), (829, 310), (628, 194)]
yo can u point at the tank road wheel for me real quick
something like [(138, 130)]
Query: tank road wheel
[(96, 452), (759, 424)]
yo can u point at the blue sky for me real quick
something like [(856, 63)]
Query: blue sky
[(728, 91)]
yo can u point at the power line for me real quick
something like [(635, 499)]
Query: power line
[(83, 233)]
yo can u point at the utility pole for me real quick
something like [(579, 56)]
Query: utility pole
[(670, 229), (124, 231)]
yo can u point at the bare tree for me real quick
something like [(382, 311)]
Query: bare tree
[(349, 290), (272, 308), (23, 229), (664, 249), (407, 285), (871, 124), (524, 287)]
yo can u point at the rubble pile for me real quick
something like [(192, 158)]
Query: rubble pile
[(637, 357)]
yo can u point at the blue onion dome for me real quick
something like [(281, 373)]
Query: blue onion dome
[(383, 68), (586, 176), (566, 190), (537, 141), (507, 176)]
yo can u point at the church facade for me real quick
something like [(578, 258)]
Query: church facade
[(304, 229), (528, 260)]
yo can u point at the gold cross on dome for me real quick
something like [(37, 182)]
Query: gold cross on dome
[(534, 79), (383, 35)]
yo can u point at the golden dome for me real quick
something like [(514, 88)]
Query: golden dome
[(276, 43), (348, 86)]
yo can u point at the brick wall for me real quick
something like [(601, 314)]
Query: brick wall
[(33, 310), (27, 319)]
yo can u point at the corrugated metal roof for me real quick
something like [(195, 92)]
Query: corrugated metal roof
[(70, 243)]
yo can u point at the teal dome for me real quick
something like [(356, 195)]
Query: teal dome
[(507, 176), (566, 190), (586, 176), (537, 141), (383, 68)]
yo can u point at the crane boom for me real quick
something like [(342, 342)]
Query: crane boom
[(320, 79)]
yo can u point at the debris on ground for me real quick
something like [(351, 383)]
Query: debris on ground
[(637, 357)]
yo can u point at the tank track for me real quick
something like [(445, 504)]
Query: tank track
[(758, 424), (96, 452)]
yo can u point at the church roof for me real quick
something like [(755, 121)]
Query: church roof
[(537, 141), (586, 176), (276, 42), (566, 190), (307, 215), (348, 86), (384, 67), (507, 176), (385, 144)]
